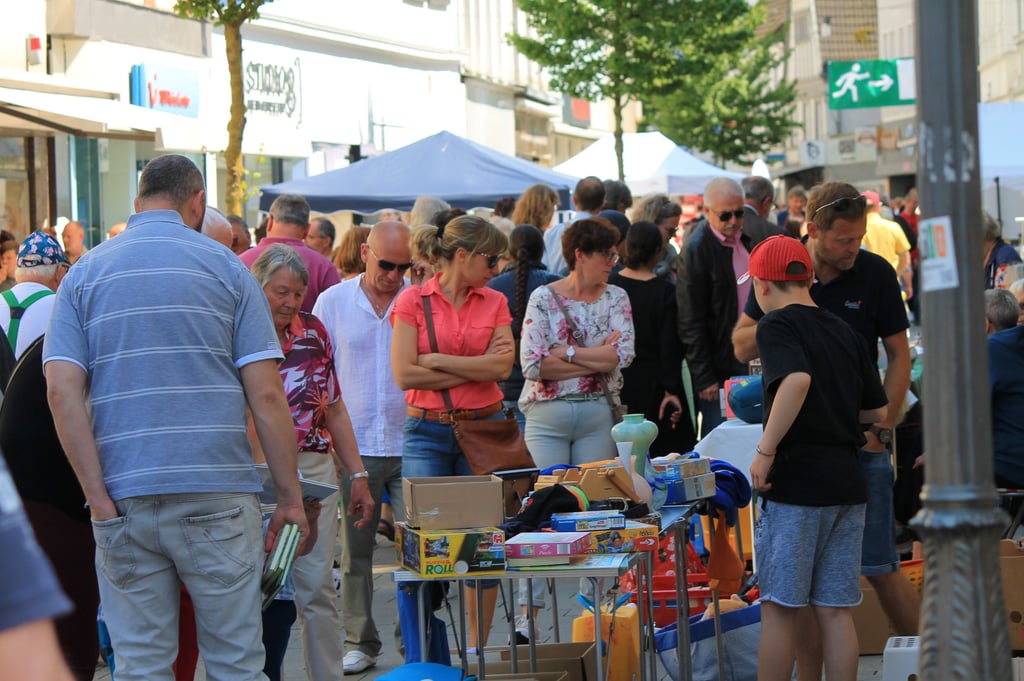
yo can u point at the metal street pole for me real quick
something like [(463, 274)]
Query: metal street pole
[(963, 623)]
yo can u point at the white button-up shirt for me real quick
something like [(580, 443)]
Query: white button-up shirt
[(362, 360)]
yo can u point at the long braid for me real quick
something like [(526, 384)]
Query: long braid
[(519, 296)]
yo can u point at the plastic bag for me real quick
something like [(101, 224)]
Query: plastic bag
[(741, 636)]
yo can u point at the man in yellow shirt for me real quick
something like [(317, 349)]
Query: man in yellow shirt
[(886, 238)]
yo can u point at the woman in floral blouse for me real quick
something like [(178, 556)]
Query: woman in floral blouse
[(324, 441), (568, 419)]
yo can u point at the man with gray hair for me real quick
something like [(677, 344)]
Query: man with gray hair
[(149, 379), (320, 236), (708, 297), (241, 237), (1001, 310), (758, 194), (288, 224)]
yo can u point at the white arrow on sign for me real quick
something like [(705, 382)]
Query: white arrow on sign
[(883, 83)]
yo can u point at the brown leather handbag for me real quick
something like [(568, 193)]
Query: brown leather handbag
[(488, 445)]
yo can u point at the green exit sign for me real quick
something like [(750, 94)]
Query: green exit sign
[(870, 83)]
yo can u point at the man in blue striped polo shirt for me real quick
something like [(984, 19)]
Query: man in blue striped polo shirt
[(159, 341)]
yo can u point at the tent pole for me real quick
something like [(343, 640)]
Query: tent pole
[(999, 204)]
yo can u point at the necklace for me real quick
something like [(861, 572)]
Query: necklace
[(379, 309)]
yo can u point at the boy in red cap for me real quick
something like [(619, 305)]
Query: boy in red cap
[(819, 386)]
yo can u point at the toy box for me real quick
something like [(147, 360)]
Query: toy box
[(691, 489), (687, 468), (444, 553), (587, 521), (633, 537), (541, 544)]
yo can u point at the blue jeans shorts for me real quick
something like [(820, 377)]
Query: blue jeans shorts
[(430, 450), (806, 555), (878, 551)]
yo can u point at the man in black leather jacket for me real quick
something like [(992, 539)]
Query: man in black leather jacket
[(709, 298)]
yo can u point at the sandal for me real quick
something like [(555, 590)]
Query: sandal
[(386, 530)]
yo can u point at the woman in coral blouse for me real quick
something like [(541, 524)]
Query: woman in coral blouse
[(475, 351)]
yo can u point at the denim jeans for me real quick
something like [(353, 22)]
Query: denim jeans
[(213, 543), (878, 550), (357, 553)]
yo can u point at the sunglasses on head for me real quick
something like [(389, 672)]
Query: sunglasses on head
[(725, 216), (389, 266), (843, 204)]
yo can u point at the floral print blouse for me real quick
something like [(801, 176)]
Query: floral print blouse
[(309, 381), (545, 327)]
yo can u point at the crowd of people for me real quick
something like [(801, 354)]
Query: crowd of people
[(157, 367)]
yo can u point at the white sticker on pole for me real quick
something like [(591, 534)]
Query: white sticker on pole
[(938, 255)]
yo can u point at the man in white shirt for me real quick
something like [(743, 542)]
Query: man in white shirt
[(356, 313), (27, 305)]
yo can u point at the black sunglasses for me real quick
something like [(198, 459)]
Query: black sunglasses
[(726, 215), (843, 204), (492, 260), (389, 266)]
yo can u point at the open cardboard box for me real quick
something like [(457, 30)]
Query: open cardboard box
[(539, 676), (452, 503), (575, 659)]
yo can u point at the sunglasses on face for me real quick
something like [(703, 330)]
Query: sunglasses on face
[(725, 216), (389, 266), (844, 204), (492, 260)]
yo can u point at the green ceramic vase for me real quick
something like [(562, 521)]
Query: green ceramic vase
[(639, 431)]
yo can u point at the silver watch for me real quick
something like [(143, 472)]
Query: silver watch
[(570, 352)]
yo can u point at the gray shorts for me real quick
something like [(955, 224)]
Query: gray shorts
[(809, 555)]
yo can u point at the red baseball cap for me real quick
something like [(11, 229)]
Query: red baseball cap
[(772, 257)]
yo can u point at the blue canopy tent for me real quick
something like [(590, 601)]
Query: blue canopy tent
[(463, 173)]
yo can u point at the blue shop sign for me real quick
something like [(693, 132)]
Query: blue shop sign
[(165, 88)]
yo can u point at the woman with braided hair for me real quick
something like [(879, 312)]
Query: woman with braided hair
[(517, 281)]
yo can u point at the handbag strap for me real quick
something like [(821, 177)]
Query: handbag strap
[(428, 313), (577, 336)]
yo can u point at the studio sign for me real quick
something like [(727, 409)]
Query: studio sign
[(274, 89)]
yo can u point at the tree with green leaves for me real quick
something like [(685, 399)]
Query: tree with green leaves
[(230, 14), (628, 49), (737, 109)]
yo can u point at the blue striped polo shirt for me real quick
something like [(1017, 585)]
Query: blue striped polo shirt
[(162, 319)]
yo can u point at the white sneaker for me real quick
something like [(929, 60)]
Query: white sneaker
[(523, 628), (357, 661)]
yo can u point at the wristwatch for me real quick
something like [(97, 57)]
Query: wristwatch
[(360, 474), (884, 435), (570, 352)]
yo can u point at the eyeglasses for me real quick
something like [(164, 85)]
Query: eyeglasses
[(843, 204), (725, 216), (389, 266), (492, 260), (610, 256)]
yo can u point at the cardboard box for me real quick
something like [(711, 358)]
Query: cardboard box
[(453, 503), (633, 537), (575, 659), (1011, 566), (544, 544), (539, 676), (691, 489), (869, 620), (687, 468), (443, 553)]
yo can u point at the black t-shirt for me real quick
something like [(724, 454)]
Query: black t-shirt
[(867, 297), (816, 461)]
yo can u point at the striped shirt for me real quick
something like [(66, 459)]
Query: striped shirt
[(162, 319)]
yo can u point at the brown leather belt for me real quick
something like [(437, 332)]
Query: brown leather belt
[(449, 417)]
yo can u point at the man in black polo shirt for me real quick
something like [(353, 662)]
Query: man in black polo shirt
[(860, 288)]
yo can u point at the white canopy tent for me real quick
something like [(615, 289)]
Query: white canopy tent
[(1001, 158), (651, 161)]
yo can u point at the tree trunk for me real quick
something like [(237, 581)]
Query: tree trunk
[(619, 106), (236, 124)]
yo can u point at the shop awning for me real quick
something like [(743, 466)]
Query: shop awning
[(78, 115)]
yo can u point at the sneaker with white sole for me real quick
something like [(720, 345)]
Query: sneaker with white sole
[(523, 630), (357, 661)]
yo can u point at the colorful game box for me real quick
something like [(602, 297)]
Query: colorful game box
[(633, 537), (444, 553), (587, 521), (541, 544)]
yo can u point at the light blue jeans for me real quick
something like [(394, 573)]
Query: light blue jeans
[(213, 543), (563, 432)]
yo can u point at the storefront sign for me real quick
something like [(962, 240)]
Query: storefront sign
[(165, 88), (273, 89)]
